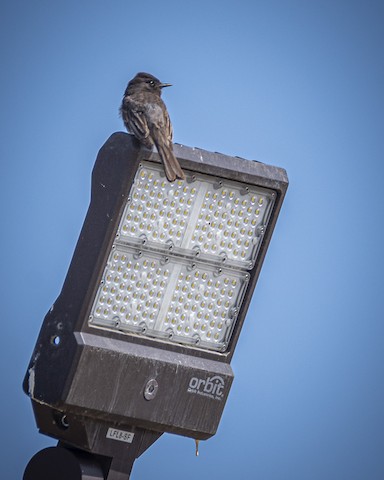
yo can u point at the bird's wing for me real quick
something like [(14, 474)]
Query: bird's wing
[(135, 119), (168, 126)]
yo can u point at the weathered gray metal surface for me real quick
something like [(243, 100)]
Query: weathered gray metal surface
[(86, 373)]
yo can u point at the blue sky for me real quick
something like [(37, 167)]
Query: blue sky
[(297, 84)]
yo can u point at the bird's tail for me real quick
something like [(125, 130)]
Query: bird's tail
[(171, 164)]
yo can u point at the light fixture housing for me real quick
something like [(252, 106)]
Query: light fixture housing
[(144, 329)]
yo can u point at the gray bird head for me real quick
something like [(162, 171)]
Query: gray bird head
[(145, 82)]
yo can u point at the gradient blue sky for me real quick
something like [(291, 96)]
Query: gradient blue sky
[(298, 84)]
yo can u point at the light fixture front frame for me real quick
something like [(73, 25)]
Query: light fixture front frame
[(227, 170), (71, 356), (129, 299)]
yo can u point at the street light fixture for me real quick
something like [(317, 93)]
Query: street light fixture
[(140, 339)]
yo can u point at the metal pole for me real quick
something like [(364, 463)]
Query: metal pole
[(61, 463)]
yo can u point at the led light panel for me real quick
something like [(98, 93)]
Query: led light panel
[(219, 220), (169, 299), (178, 269), (158, 210)]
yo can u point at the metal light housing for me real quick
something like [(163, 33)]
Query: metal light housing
[(144, 329)]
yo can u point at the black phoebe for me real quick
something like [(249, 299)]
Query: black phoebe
[(145, 115)]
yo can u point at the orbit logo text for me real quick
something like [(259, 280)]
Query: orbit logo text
[(212, 387)]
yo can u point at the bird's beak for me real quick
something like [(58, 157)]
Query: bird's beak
[(162, 85)]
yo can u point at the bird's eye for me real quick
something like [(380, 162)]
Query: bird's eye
[(152, 83)]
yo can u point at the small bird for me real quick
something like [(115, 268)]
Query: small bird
[(145, 115)]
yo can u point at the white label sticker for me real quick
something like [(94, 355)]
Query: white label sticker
[(120, 435)]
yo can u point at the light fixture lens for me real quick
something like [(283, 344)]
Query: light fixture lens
[(214, 218), (178, 269), (168, 298)]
